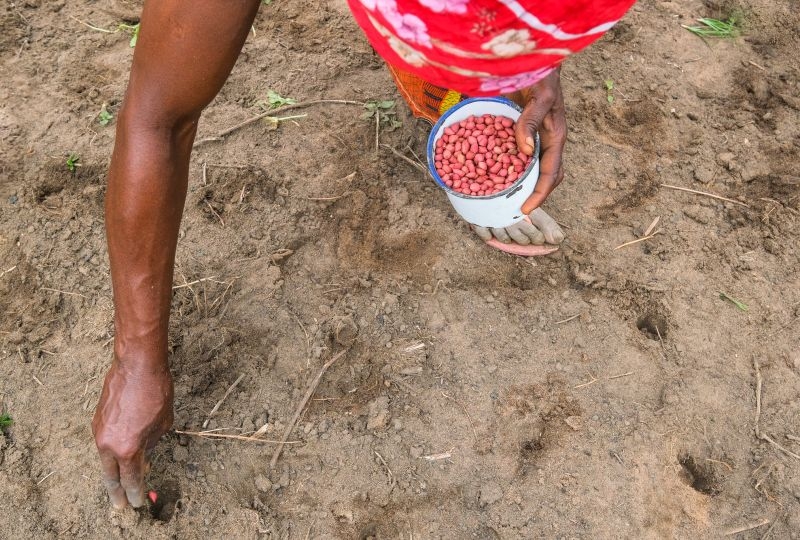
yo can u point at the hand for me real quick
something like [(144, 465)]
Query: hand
[(134, 411), (543, 111), (535, 231)]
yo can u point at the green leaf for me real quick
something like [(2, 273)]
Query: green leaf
[(735, 302), (610, 98), (104, 117), (388, 104), (609, 84), (133, 29), (368, 114), (276, 100), (72, 162), (5, 421), (715, 28)]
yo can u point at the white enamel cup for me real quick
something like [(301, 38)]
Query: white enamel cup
[(499, 209)]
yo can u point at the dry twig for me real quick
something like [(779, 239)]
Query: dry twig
[(568, 319), (746, 528), (211, 435), (302, 405), (642, 239), (225, 132), (219, 403), (474, 432), (64, 292), (706, 194), (405, 158), (759, 434)]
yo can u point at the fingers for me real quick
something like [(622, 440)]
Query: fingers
[(545, 114), (538, 101), (484, 233), (532, 118), (535, 235), (131, 475), (518, 236), (548, 226), (111, 480), (553, 137), (501, 235)]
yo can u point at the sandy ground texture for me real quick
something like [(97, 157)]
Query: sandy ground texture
[(594, 393)]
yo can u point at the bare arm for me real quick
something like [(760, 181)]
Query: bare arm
[(184, 54)]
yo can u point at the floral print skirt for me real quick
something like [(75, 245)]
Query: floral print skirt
[(483, 47)]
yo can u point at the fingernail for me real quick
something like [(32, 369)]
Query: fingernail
[(529, 140)]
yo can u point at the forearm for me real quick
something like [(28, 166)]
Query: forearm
[(183, 56), (146, 193)]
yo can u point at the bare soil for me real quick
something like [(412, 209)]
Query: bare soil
[(595, 393)]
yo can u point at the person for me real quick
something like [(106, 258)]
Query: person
[(184, 55)]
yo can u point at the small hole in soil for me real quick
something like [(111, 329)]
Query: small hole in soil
[(698, 476), (168, 499), (653, 325), (368, 532)]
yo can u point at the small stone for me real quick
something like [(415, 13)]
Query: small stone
[(263, 484), (345, 331), (575, 422), (726, 158), (416, 452), (284, 479), (180, 454), (704, 174), (754, 169), (490, 493), (378, 413)]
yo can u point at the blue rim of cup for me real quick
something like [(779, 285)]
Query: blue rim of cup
[(432, 144)]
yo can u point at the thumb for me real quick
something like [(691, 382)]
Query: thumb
[(528, 124)]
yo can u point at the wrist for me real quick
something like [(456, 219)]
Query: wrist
[(144, 357)]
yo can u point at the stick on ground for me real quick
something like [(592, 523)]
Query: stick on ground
[(705, 194), (219, 403), (225, 132), (212, 435), (746, 528), (311, 388), (759, 434)]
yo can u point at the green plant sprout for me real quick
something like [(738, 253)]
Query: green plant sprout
[(133, 30), (275, 100), (734, 301), (609, 90), (5, 421), (715, 28), (72, 162), (385, 111), (104, 117)]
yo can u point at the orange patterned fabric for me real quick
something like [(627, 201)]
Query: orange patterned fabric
[(425, 100)]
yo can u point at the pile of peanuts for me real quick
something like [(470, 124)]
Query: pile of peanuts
[(479, 156)]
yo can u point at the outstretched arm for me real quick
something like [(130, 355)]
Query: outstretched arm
[(184, 54)]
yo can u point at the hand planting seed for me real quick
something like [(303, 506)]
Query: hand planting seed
[(479, 156)]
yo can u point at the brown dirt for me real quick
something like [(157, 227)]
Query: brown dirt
[(666, 451)]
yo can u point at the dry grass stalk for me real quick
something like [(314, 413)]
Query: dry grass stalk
[(302, 405), (224, 397), (705, 194)]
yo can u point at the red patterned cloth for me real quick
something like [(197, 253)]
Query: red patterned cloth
[(483, 47)]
